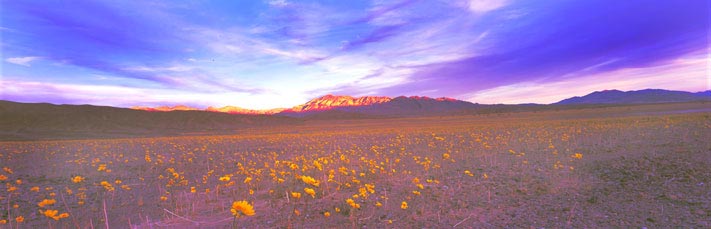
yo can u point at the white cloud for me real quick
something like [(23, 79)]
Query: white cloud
[(385, 17), (433, 44), (483, 6), (683, 74), (234, 43), (24, 61), (278, 3), (175, 68)]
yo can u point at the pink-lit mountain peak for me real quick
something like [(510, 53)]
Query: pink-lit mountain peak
[(329, 101)]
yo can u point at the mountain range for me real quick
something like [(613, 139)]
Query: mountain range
[(27, 121), (380, 105), (422, 105), (637, 97)]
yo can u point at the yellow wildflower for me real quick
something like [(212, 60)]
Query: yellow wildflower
[(468, 173), (46, 202), (352, 203), (403, 205), (242, 208), (310, 180), (107, 186), (296, 195), (51, 214), (310, 192)]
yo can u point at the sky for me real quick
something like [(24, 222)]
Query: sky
[(281, 53)]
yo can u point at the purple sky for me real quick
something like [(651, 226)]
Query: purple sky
[(280, 53)]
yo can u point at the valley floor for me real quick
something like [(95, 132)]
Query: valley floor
[(626, 166)]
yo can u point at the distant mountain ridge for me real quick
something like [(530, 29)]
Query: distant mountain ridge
[(637, 97), (166, 108), (377, 106), (323, 103), (239, 110)]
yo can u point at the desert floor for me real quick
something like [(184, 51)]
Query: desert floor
[(633, 166)]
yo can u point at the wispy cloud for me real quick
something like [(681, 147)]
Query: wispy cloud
[(371, 84), (483, 6), (385, 14), (234, 44), (278, 3), (377, 35), (24, 61), (175, 68)]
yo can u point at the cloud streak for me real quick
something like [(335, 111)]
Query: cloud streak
[(483, 6), (24, 61)]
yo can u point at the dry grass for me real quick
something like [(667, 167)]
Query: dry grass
[(542, 172)]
